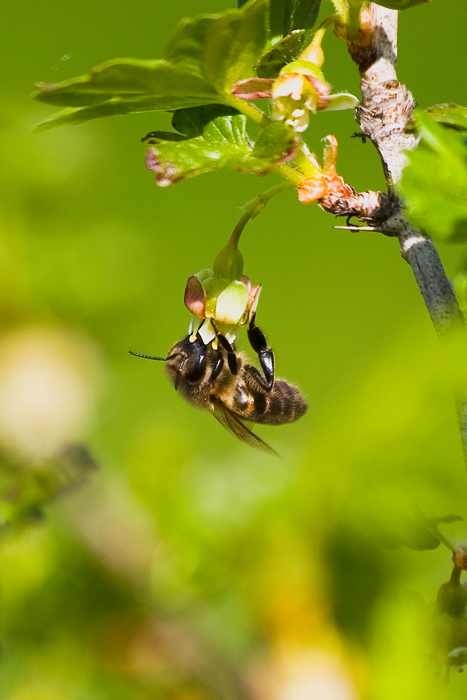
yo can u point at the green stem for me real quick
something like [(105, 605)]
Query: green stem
[(456, 575), (327, 22), (293, 176), (248, 110), (442, 538), (353, 25), (254, 207), (342, 9), (307, 166), (313, 51)]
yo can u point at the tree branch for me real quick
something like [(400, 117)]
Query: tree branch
[(383, 118)]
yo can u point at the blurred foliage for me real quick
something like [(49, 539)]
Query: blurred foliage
[(434, 185), (202, 60), (188, 566)]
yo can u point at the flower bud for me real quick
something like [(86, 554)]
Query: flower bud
[(452, 597)]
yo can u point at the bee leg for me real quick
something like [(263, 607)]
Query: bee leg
[(231, 356), (264, 352), (217, 367)]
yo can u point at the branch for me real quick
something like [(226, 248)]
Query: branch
[(383, 117)]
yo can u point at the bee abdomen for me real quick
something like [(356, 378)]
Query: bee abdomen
[(283, 404)]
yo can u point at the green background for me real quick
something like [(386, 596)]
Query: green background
[(190, 566)]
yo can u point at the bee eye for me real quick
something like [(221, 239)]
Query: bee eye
[(198, 367)]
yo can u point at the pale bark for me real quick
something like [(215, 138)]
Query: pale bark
[(383, 117)]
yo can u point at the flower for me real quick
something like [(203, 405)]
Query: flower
[(229, 303), (299, 89)]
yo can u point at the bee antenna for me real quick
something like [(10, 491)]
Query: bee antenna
[(147, 357)]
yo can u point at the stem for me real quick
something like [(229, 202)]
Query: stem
[(314, 52), (353, 22), (342, 9), (249, 110), (254, 207), (294, 177), (307, 166), (442, 538), (383, 117)]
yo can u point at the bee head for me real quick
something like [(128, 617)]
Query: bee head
[(187, 359)]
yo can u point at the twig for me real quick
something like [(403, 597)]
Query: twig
[(383, 117), (358, 229)]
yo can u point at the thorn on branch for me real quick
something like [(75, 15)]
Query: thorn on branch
[(358, 229), (359, 135)]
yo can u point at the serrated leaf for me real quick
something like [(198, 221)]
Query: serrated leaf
[(284, 51), (204, 58), (401, 4), (451, 115), (213, 137), (434, 184), (277, 141), (216, 124)]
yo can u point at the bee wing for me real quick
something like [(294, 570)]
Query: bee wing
[(234, 425)]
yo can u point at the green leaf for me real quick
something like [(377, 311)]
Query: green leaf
[(204, 58), (127, 80), (412, 532), (288, 15), (284, 51), (275, 141), (113, 107), (434, 184), (401, 4), (222, 48), (212, 137), (123, 86), (450, 115), (445, 519), (216, 124)]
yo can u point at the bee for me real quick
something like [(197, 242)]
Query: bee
[(214, 376)]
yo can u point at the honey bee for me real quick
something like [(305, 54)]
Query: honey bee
[(215, 377)]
